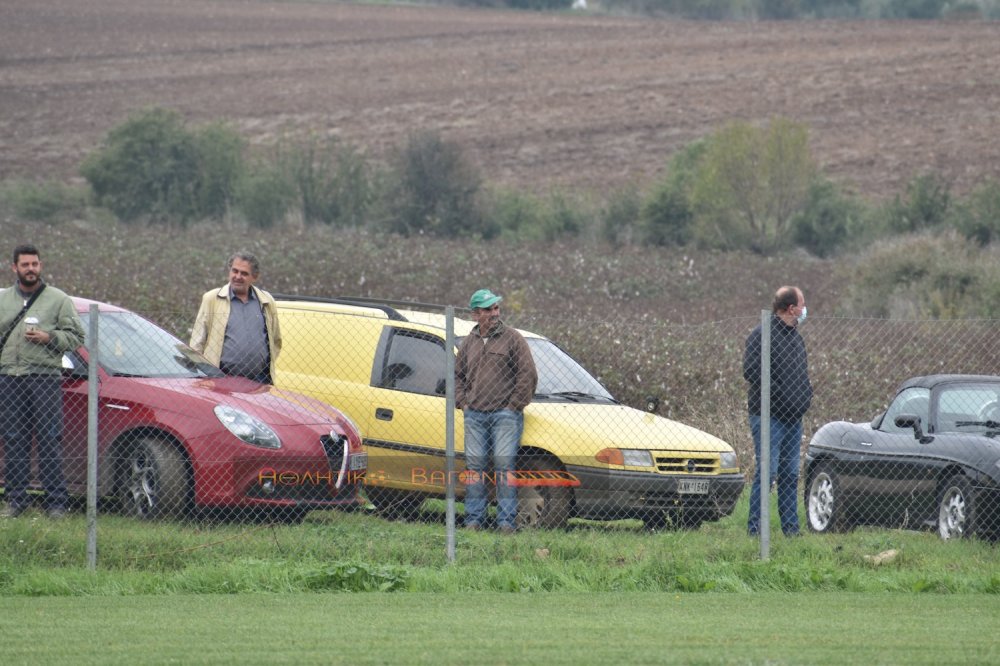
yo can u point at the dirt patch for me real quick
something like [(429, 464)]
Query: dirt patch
[(538, 100)]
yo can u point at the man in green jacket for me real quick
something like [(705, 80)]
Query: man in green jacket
[(38, 324)]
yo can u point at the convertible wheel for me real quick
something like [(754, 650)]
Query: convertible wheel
[(956, 509), (824, 504), (156, 481), (395, 504), (542, 506)]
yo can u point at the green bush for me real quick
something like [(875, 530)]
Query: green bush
[(332, 181), (924, 276), (152, 166), (527, 218), (667, 215), (779, 9), (826, 222), (620, 217), (926, 205), (265, 195), (434, 190), (50, 201), (220, 168), (915, 9), (978, 215), (148, 166), (750, 183)]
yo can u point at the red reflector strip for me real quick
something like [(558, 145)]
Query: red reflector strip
[(542, 478)]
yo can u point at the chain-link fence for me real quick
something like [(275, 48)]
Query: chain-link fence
[(572, 419)]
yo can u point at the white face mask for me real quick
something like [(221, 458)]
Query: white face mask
[(802, 316)]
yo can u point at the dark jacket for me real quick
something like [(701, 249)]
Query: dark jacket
[(495, 372), (791, 392)]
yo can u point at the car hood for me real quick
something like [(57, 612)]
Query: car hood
[(275, 406), (586, 428)]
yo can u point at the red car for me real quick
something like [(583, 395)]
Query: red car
[(176, 435)]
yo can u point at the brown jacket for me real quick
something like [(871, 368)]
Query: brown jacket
[(495, 372)]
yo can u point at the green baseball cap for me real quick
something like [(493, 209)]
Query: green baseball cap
[(484, 298)]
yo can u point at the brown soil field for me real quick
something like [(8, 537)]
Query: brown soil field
[(584, 102)]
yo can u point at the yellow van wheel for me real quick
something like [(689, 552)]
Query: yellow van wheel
[(542, 506)]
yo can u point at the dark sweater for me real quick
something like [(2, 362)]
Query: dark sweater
[(791, 392)]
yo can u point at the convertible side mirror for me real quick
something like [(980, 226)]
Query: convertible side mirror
[(913, 421)]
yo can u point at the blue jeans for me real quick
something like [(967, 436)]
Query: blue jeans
[(786, 443), (497, 435), (32, 405)]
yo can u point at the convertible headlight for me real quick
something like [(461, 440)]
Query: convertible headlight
[(728, 460), (247, 428), (630, 457)]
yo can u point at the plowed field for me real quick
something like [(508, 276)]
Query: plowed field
[(537, 100)]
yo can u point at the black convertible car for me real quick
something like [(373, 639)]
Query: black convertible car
[(931, 460)]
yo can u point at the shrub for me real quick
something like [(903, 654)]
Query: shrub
[(924, 276), (915, 9), (146, 166), (152, 166), (827, 220), (667, 216), (779, 9), (332, 181), (750, 183), (620, 217), (49, 201), (435, 190), (926, 205), (527, 218), (978, 216), (265, 195), (220, 160)]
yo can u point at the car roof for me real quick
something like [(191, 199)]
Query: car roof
[(931, 381), (83, 305), (425, 314)]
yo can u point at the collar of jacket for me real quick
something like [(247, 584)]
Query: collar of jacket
[(496, 331)]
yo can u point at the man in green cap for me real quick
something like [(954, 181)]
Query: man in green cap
[(495, 379)]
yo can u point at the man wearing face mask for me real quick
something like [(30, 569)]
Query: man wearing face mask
[(791, 395)]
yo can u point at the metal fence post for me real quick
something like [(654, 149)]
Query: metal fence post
[(92, 439), (449, 430), (765, 434)]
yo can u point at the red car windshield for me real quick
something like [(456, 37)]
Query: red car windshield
[(135, 347)]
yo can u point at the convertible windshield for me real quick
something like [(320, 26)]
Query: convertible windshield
[(969, 408), (559, 374), (132, 346)]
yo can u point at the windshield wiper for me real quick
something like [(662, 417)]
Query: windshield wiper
[(575, 396), (991, 425)]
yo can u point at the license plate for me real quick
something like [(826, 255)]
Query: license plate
[(359, 461), (692, 487)]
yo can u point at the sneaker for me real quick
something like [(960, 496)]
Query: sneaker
[(56, 513), (12, 511), (507, 529), (472, 527)]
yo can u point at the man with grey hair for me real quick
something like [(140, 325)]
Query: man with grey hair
[(237, 324)]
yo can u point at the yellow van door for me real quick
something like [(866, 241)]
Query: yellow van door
[(406, 427)]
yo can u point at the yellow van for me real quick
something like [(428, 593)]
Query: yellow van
[(582, 453)]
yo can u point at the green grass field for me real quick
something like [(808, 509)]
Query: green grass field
[(496, 628)]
